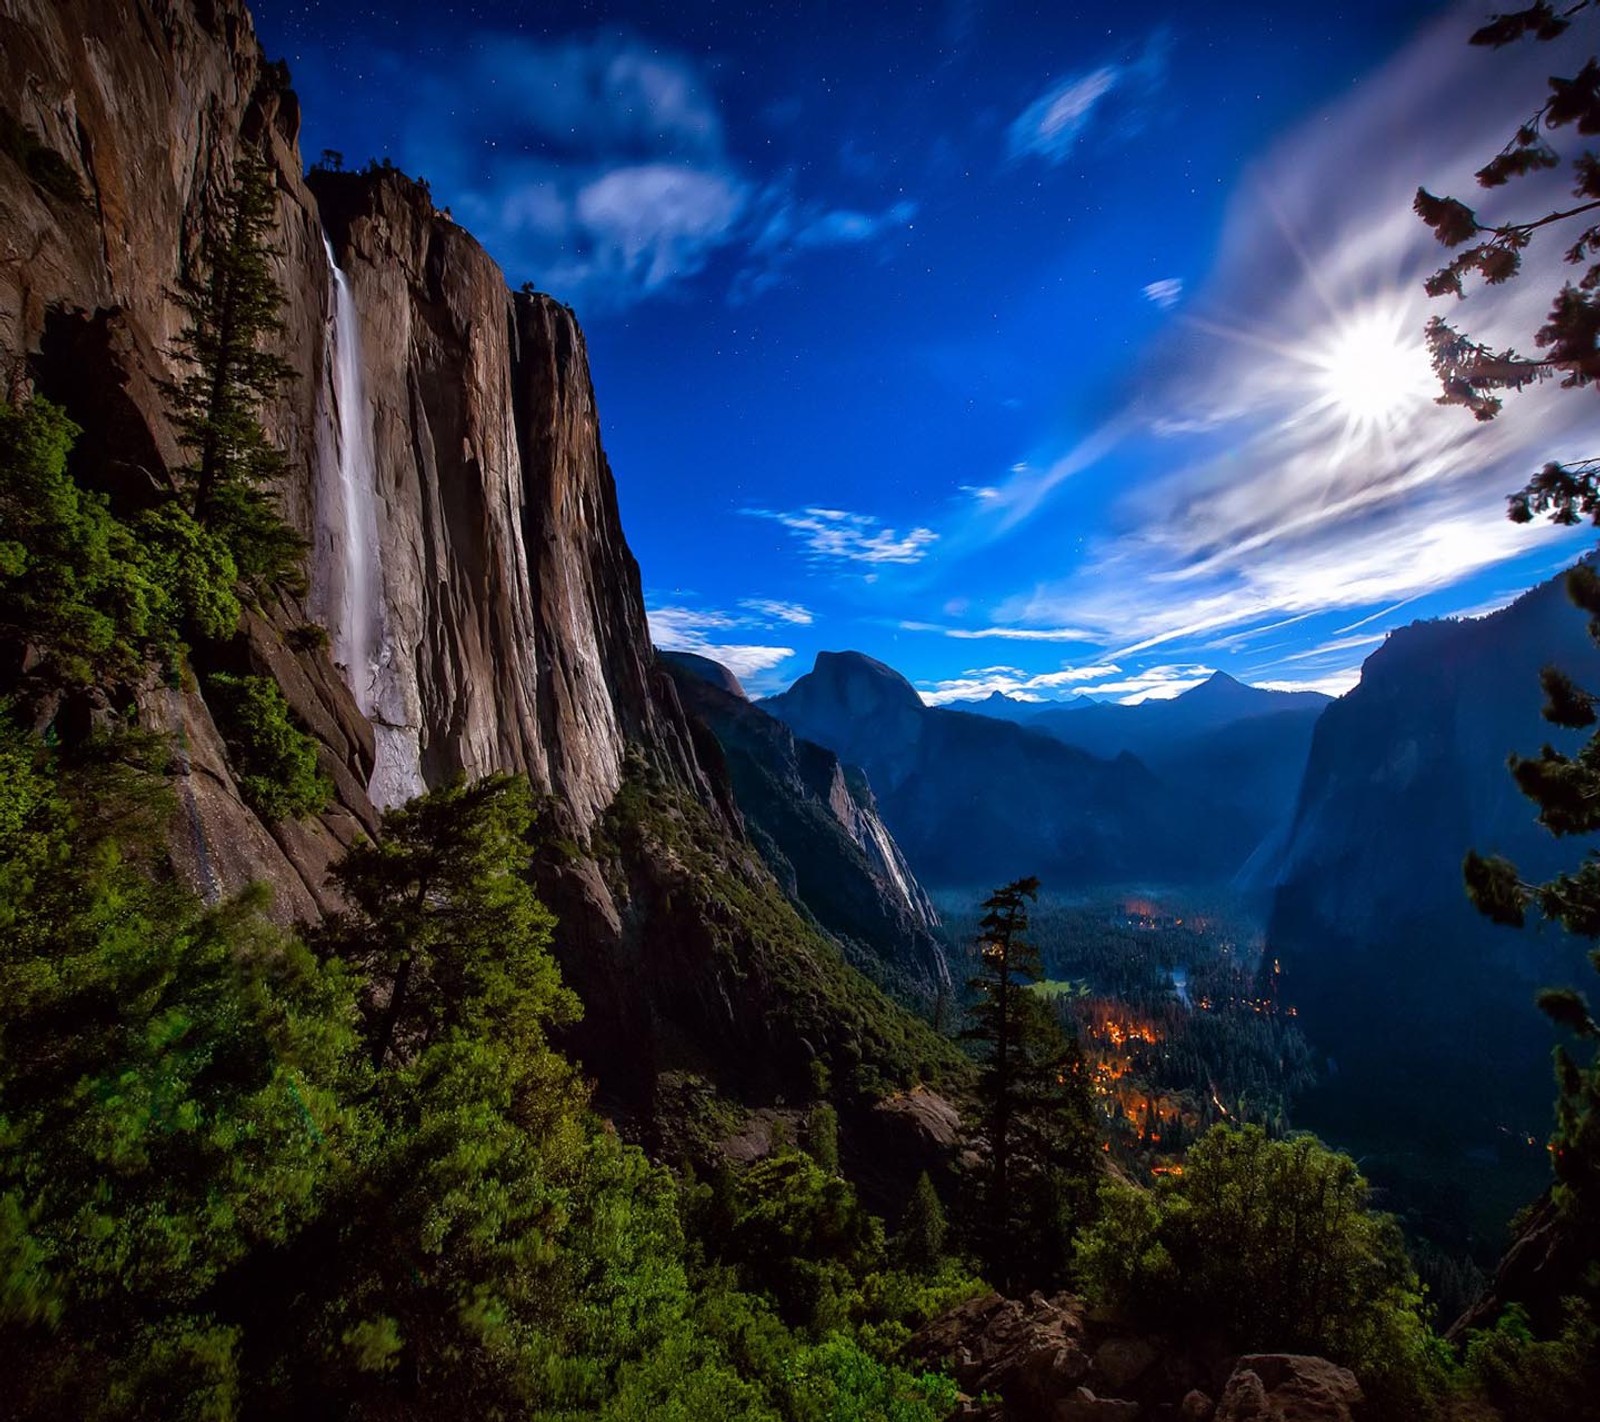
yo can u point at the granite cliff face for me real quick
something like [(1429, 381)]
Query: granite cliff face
[(515, 624), (445, 465), (1395, 975)]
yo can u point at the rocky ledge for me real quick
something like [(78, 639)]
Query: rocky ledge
[(1047, 1360)]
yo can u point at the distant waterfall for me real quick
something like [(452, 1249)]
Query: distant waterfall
[(347, 593)]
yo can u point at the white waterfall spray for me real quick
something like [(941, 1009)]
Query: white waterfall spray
[(347, 592)]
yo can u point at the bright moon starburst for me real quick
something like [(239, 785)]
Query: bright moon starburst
[(1372, 369)]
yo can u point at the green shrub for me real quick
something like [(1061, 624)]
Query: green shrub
[(1528, 1379), (307, 637), (1273, 1243), (274, 761), (217, 1199)]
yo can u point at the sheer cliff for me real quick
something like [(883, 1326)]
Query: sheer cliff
[(1397, 978), (483, 610), (817, 826)]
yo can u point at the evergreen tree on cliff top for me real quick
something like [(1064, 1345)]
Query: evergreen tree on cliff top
[(1037, 1112), (232, 300), (1565, 788)]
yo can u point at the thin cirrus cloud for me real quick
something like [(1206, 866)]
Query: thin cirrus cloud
[(1112, 96), (1268, 494), (839, 536), (1004, 634), (1166, 293), (788, 229), (1104, 680), (598, 166), (774, 610)]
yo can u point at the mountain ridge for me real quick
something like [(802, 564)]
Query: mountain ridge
[(975, 800)]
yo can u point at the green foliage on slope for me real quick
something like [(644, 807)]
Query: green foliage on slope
[(718, 917), (93, 597), (274, 760), (242, 1176)]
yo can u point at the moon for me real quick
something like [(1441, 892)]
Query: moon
[(1373, 370)]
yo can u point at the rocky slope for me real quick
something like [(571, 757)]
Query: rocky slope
[(445, 465), (1050, 1360), (975, 801), (817, 826)]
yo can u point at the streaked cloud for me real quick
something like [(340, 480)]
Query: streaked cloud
[(1293, 479), (1051, 126), (836, 535), (1166, 293), (1011, 634), (776, 611)]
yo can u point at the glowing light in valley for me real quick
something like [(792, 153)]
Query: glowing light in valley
[(1373, 369)]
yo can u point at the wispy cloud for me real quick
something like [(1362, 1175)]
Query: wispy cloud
[(1106, 680), (1166, 293), (1005, 634), (785, 229), (1332, 684), (1289, 481), (598, 166), (1041, 687), (836, 535), (1051, 126), (705, 631), (776, 611), (1334, 648)]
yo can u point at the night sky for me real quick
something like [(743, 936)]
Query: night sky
[(1052, 349)]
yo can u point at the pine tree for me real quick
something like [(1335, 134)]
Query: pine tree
[(447, 926), (1474, 375), (232, 301), (1037, 1111), (1565, 788), (920, 1242), (822, 1136)]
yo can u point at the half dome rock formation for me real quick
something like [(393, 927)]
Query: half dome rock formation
[(445, 466)]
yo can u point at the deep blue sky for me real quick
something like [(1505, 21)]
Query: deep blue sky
[(1052, 348)]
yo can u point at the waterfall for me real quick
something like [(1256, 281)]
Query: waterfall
[(347, 592)]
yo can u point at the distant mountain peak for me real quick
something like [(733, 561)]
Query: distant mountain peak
[(1226, 694), (1219, 683)]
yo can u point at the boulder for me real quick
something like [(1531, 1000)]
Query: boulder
[(1030, 1352), (1288, 1387), (1120, 1362)]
